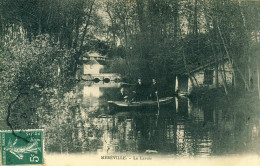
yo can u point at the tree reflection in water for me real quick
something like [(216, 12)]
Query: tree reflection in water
[(80, 121)]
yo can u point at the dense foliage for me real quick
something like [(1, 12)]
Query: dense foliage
[(164, 38), (42, 41)]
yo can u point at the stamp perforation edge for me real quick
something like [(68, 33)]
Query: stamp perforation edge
[(26, 130)]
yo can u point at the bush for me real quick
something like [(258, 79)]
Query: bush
[(25, 64)]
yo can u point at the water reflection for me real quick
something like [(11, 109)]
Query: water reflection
[(83, 122)]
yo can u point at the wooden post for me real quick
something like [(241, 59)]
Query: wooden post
[(176, 84)]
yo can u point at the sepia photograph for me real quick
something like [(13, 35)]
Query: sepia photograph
[(130, 82)]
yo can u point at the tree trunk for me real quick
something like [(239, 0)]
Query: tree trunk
[(86, 27), (69, 31), (216, 75), (75, 43), (249, 78), (255, 35), (175, 17), (216, 66), (113, 26), (187, 69), (39, 26), (258, 80), (234, 80), (195, 19), (126, 46), (224, 80), (224, 73), (195, 79), (229, 57), (79, 52), (140, 13)]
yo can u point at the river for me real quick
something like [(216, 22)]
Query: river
[(81, 121)]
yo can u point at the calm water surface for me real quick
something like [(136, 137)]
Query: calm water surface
[(182, 128), (81, 121)]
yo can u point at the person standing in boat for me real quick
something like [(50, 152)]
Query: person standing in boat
[(154, 90), (122, 95), (139, 90)]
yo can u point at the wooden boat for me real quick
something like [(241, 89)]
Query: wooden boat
[(144, 103)]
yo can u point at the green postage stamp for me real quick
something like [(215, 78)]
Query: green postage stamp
[(22, 147)]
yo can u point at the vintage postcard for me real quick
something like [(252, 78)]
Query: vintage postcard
[(130, 82)]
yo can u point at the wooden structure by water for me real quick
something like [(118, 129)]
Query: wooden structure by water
[(93, 64), (208, 76)]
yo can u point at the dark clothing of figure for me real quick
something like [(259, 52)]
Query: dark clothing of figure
[(140, 92), (153, 90), (122, 95)]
